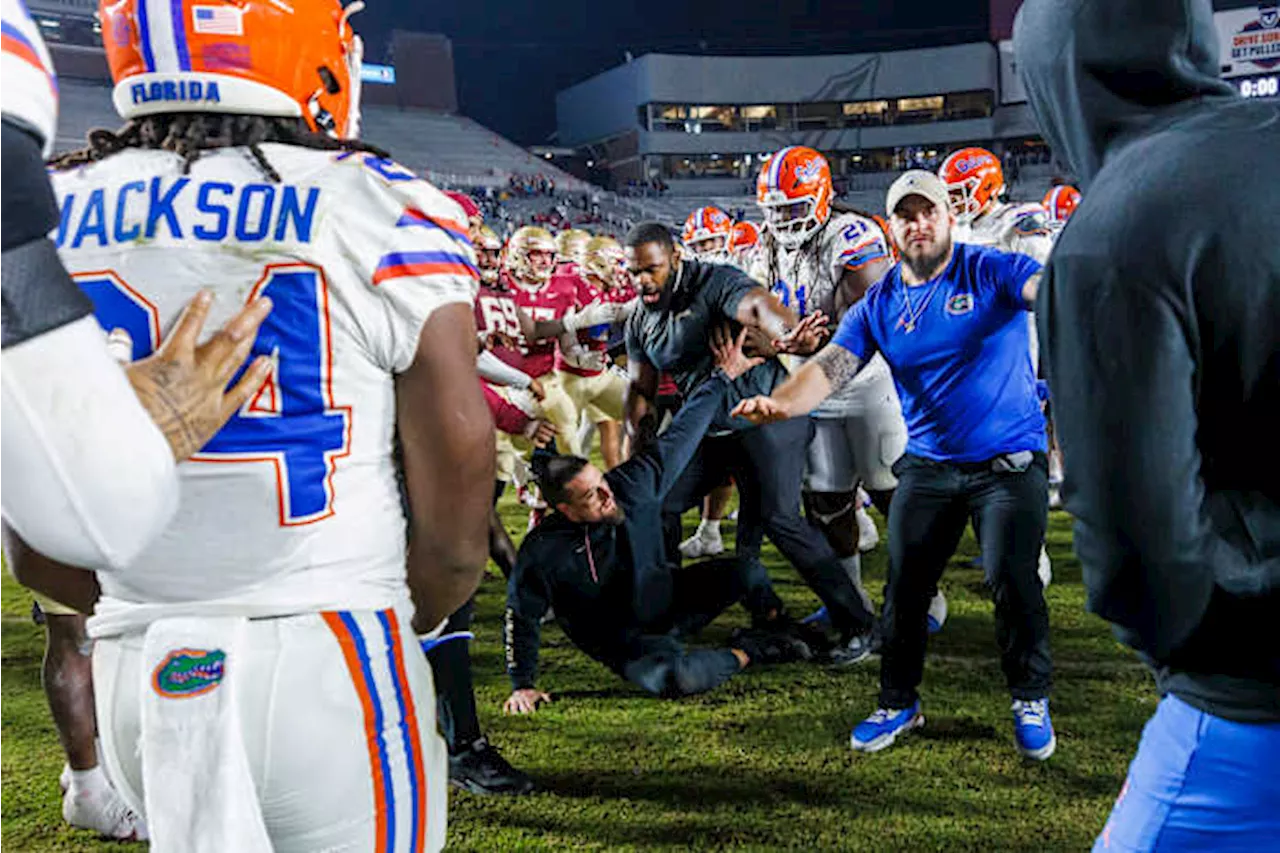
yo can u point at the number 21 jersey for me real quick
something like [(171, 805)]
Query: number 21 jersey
[(293, 506)]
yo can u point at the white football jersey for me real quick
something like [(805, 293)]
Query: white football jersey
[(30, 92), (1019, 228), (293, 507), (806, 278)]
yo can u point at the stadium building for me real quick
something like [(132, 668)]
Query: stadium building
[(700, 125)]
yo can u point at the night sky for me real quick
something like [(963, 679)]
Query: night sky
[(511, 56)]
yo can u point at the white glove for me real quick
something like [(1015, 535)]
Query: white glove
[(598, 313)]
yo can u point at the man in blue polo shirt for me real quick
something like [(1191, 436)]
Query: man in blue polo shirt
[(950, 320)]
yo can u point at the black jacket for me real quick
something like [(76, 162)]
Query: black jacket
[(1159, 320), (608, 584)]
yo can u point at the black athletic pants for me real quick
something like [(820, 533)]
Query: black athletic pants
[(661, 664), (767, 462), (1009, 511)]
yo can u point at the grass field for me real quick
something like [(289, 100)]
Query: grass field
[(762, 763)]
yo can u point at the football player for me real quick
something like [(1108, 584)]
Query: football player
[(1060, 202), (706, 234), (821, 261), (571, 248), (976, 191), (586, 373), (257, 664), (95, 488), (744, 241), (88, 496), (549, 307)]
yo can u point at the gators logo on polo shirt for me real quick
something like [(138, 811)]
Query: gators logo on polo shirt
[(961, 303), (189, 672)]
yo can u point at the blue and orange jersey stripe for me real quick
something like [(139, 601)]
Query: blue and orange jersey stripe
[(413, 217), (404, 264), (13, 42)]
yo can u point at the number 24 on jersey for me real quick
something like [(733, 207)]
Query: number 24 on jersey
[(292, 423)]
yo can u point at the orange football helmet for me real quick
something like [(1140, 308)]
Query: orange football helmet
[(259, 57), (794, 192), (1061, 202), (523, 268), (706, 233), (744, 238), (974, 181)]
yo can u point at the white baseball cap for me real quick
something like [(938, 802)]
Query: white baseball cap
[(916, 182)]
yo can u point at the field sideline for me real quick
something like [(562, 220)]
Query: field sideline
[(762, 763)]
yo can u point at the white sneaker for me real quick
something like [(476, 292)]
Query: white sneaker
[(1045, 568), (64, 778), (937, 612), (104, 812), (868, 535), (702, 545)]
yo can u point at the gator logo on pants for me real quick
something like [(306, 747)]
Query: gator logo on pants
[(189, 672)]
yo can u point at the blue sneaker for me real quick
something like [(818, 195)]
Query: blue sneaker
[(819, 618), (1033, 729), (882, 728)]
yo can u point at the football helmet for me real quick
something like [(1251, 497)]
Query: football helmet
[(571, 244), (794, 193), (1061, 202), (525, 269), (744, 238), (604, 259), (706, 233), (488, 248), (974, 181), (259, 57)]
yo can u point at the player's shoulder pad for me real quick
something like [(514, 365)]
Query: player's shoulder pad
[(388, 189), (1028, 220), (857, 240), (30, 94)]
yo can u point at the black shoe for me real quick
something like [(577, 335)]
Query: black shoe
[(812, 637), (481, 769), (767, 647), (855, 650)]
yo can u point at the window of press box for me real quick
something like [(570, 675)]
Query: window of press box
[(713, 118), (759, 117), (818, 116), (865, 112)]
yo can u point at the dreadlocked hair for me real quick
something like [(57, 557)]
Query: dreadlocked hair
[(190, 134)]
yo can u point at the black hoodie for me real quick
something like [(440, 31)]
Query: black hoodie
[(1159, 319)]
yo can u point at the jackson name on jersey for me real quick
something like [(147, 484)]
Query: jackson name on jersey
[(293, 506), (806, 278)]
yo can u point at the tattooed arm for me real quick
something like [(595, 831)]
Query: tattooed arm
[(827, 371)]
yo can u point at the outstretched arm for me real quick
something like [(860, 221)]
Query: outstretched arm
[(831, 368)]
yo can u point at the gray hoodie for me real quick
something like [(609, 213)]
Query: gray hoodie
[(1159, 320)]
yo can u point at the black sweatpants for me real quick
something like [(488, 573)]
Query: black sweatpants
[(1009, 511), (660, 663), (767, 462)]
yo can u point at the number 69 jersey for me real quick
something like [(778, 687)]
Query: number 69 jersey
[(293, 507)]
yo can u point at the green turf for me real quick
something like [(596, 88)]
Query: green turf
[(762, 763)]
